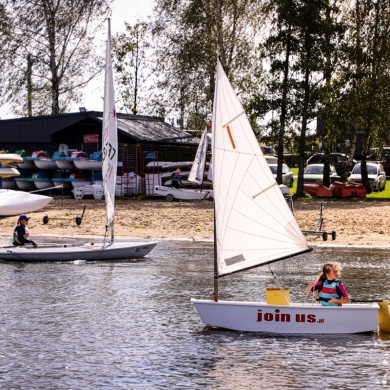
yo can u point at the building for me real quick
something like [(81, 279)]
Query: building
[(140, 138)]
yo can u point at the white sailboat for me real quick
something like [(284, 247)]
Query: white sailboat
[(92, 250), (254, 226), (196, 175)]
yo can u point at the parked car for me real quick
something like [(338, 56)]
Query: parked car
[(376, 175), (338, 160), (287, 174), (314, 173), (268, 150), (271, 159)]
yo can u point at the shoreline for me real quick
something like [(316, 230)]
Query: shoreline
[(357, 224)]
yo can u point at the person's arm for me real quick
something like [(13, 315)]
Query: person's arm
[(343, 294), (313, 286), (310, 287)]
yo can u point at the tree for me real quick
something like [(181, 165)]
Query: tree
[(133, 65), (190, 35), (56, 39), (365, 75)]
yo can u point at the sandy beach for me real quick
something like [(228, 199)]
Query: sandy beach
[(356, 223)]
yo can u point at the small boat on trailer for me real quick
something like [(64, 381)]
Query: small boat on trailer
[(254, 226), (172, 193)]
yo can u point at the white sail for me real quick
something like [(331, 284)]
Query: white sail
[(254, 224), (109, 137), (199, 164)]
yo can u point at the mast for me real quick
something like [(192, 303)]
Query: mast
[(109, 139), (213, 135)]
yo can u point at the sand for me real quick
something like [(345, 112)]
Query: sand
[(356, 223)]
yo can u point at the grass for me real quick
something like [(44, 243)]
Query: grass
[(384, 195)]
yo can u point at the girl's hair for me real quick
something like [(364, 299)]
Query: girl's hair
[(329, 267)]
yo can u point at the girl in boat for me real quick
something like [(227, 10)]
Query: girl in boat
[(330, 288)]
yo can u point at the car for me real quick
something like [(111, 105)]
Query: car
[(287, 174), (338, 160), (314, 173), (376, 175), (268, 150), (271, 159)]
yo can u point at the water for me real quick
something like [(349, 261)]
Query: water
[(130, 325)]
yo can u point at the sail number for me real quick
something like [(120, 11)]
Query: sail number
[(108, 151)]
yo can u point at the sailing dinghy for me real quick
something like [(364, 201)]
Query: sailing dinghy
[(111, 250), (196, 175), (254, 226)]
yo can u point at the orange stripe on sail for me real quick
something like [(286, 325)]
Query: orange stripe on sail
[(231, 137)]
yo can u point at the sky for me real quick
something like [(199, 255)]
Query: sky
[(122, 11)]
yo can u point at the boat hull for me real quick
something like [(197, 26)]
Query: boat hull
[(88, 251), (19, 202), (10, 158), (87, 164), (295, 318), (171, 193), (25, 185), (45, 164), (64, 164)]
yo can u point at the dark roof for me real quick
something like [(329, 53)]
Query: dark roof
[(137, 128)]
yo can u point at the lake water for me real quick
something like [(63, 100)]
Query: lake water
[(130, 325)]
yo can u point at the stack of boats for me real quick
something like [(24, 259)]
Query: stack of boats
[(39, 171), (16, 202)]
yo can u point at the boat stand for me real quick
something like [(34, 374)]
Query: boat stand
[(78, 218), (318, 230)]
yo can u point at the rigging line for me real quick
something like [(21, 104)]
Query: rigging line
[(103, 245), (234, 118), (264, 190), (279, 284)]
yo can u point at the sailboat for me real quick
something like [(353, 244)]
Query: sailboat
[(254, 226), (196, 176), (108, 249)]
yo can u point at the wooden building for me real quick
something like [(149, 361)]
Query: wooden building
[(141, 138)]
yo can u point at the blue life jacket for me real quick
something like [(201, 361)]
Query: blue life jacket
[(329, 290)]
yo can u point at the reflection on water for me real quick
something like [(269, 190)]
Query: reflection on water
[(130, 325)]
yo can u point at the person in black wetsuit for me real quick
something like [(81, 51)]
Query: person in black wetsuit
[(21, 234)]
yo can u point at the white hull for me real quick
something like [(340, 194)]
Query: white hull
[(45, 164), (295, 318), (10, 158), (25, 185), (26, 164), (8, 172), (18, 202), (87, 164), (43, 184), (171, 193), (64, 164), (168, 165), (77, 251), (82, 183)]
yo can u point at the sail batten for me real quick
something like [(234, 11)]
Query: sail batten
[(109, 138), (254, 225)]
